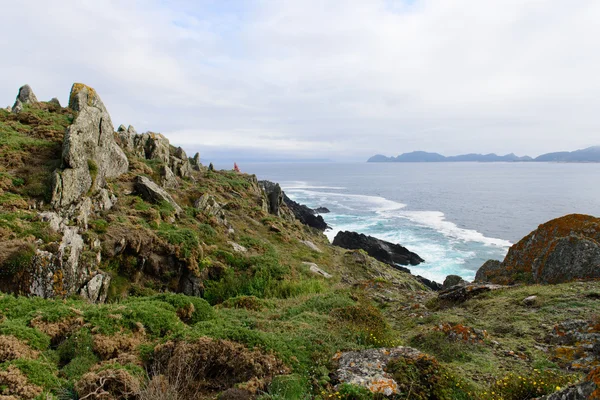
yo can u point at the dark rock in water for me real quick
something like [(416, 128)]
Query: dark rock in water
[(381, 250), (322, 210), (561, 250), (305, 214), (430, 284), (453, 280)]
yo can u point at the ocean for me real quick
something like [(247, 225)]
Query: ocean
[(454, 215)]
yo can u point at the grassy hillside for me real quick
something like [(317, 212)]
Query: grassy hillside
[(264, 325)]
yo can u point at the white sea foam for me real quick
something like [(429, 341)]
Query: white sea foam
[(358, 202), (446, 248), (437, 221)]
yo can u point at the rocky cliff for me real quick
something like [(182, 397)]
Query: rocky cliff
[(131, 271), (561, 250)]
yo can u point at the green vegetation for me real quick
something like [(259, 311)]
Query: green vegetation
[(254, 306)]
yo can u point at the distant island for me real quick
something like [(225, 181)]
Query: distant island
[(590, 154)]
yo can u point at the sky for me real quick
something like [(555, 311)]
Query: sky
[(321, 79)]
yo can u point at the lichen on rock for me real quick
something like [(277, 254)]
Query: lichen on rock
[(90, 153)]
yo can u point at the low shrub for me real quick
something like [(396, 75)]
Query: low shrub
[(156, 318), (18, 261), (186, 239), (422, 378), (34, 338), (189, 309), (289, 387), (438, 344), (76, 354), (516, 387)]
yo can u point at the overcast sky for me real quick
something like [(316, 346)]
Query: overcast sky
[(335, 79)]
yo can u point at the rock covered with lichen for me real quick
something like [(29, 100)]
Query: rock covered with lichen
[(90, 153), (561, 250)]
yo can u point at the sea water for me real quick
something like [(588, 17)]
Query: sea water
[(454, 215)]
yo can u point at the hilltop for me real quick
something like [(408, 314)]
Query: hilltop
[(133, 271)]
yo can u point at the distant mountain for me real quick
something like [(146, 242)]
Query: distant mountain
[(423, 156), (590, 154)]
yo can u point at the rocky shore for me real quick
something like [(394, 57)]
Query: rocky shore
[(132, 271)]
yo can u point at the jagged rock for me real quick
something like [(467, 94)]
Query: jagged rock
[(211, 207), (150, 191), (191, 285), (436, 287), (305, 214), (489, 269), (311, 245), (462, 293), (179, 153), (25, 96), (181, 166), (561, 250), (314, 268), (389, 253), (168, 178), (211, 167), (55, 101), (154, 146), (195, 162), (274, 196), (322, 210), (104, 200), (90, 153), (453, 280), (238, 248), (17, 107), (367, 368), (96, 289), (63, 272)]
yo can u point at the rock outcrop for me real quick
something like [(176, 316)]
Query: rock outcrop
[(435, 286), (25, 96), (153, 193), (305, 214), (461, 293), (389, 253), (561, 250), (154, 146), (453, 280), (314, 268), (274, 196), (90, 153), (587, 389), (371, 368)]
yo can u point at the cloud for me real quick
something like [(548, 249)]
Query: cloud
[(323, 78)]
